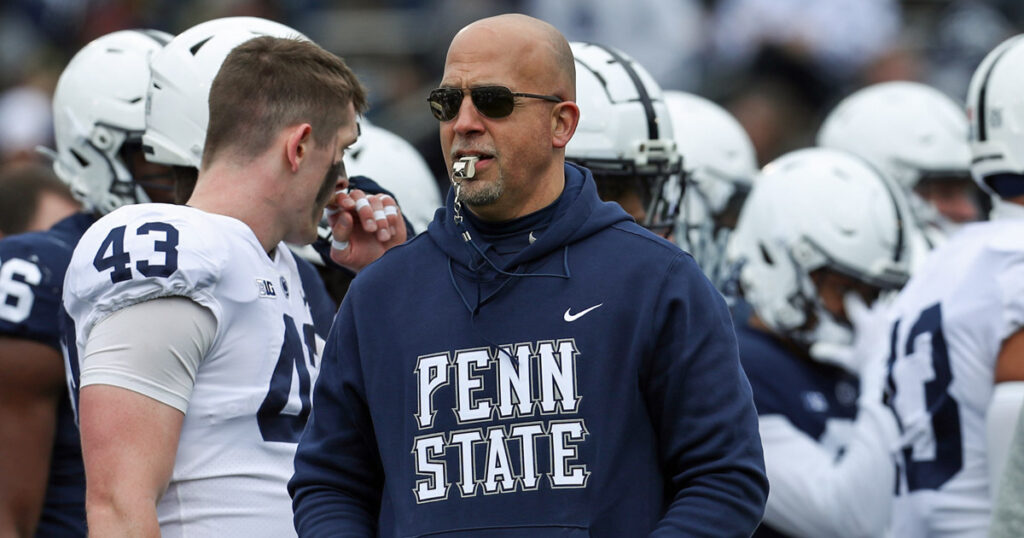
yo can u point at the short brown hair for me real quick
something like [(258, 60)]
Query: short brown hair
[(269, 83), (21, 187)]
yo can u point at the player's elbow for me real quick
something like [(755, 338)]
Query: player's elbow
[(118, 511)]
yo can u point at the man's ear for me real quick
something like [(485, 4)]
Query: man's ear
[(565, 116), (298, 143)]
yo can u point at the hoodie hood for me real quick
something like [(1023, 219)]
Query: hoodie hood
[(579, 213)]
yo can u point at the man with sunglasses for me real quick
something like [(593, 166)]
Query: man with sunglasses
[(559, 370)]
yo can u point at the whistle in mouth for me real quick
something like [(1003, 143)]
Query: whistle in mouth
[(464, 168)]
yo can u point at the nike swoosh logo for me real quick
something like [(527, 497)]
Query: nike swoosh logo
[(573, 317)]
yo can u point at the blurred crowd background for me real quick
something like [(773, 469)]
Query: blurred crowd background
[(778, 65)]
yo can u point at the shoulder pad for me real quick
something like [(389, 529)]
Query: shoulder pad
[(143, 252)]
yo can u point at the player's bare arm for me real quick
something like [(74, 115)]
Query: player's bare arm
[(31, 383), (128, 444)]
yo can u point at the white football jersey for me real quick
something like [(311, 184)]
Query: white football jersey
[(950, 321), (252, 390)]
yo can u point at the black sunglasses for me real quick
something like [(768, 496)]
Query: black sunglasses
[(492, 101)]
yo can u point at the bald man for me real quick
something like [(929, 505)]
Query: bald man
[(550, 368)]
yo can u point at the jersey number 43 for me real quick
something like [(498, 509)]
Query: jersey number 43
[(933, 452), (275, 422)]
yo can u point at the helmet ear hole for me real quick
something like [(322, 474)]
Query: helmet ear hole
[(102, 138), (805, 254)]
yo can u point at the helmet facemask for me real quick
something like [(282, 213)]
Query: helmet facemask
[(654, 188), (624, 136)]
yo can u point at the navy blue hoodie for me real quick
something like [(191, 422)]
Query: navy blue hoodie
[(586, 385)]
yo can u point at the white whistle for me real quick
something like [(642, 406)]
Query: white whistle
[(464, 168)]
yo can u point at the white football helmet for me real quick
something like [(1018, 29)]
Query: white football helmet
[(910, 132), (810, 209), (177, 109), (625, 130), (996, 112), (99, 111), (388, 159), (719, 164)]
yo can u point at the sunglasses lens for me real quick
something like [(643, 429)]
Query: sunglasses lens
[(493, 101), (445, 102)]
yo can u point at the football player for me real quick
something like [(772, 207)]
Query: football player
[(193, 347), (719, 165), (625, 136), (99, 116), (819, 238), (917, 137), (956, 361)]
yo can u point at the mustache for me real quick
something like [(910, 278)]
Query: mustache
[(474, 150)]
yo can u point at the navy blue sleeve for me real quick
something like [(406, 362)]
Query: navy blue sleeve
[(701, 405), (32, 271), (321, 306), (338, 480)]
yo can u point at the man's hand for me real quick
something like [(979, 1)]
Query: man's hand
[(363, 227)]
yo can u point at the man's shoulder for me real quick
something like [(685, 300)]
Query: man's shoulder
[(146, 251), (140, 214), (40, 248), (980, 256), (32, 268), (641, 238), (636, 246), (160, 229)]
